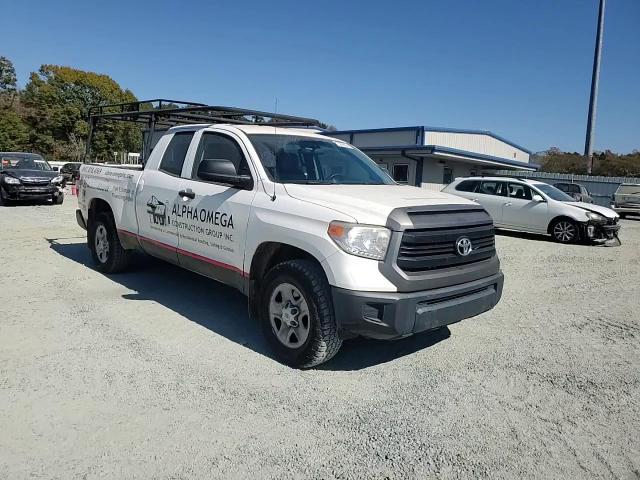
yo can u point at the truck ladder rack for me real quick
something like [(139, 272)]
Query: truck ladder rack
[(164, 113)]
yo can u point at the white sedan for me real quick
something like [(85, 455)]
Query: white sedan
[(537, 207)]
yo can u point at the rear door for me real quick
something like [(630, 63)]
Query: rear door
[(521, 212), (212, 217), (157, 194), (491, 194)]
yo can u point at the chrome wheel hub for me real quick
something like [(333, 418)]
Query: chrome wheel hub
[(289, 315), (564, 231), (102, 244)]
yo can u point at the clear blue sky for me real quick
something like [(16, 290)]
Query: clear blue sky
[(519, 68)]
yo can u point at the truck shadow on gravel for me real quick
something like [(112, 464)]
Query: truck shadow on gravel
[(223, 309)]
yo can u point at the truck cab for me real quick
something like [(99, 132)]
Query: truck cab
[(323, 242)]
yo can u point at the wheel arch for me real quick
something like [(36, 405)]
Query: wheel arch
[(266, 256), (558, 218)]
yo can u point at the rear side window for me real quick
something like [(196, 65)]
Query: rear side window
[(493, 188), (215, 146), (467, 186), (176, 151), (629, 189)]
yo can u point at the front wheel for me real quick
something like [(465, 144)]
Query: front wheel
[(564, 230), (297, 314), (57, 199), (106, 250)]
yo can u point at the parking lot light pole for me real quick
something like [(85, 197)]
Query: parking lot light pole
[(593, 100)]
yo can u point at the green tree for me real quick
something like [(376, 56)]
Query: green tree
[(8, 80), (14, 132), (57, 101)]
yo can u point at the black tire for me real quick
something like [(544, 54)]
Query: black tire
[(322, 342), (57, 200), (565, 230), (623, 215), (116, 259)]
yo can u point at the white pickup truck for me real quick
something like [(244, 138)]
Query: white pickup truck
[(321, 240)]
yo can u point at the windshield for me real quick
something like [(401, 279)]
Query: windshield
[(298, 159), (24, 162), (629, 189), (554, 194)]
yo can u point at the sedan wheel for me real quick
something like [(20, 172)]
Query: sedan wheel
[(565, 231)]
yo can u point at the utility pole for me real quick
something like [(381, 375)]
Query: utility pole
[(593, 100)]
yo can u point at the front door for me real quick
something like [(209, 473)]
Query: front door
[(522, 212), (157, 193), (212, 218)]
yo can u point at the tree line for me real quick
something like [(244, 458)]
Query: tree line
[(607, 163), (49, 116)]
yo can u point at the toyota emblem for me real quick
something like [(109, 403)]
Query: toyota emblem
[(463, 246)]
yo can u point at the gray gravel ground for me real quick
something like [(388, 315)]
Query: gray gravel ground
[(159, 373)]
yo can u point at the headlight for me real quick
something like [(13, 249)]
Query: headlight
[(596, 217), (57, 179), (361, 240), (10, 180)]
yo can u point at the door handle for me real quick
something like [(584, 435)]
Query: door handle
[(188, 193), (508, 204), (474, 200)]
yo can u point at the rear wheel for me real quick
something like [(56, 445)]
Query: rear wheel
[(297, 314), (106, 250), (564, 230), (623, 215), (57, 199)]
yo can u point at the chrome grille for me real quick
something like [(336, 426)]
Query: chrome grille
[(433, 246)]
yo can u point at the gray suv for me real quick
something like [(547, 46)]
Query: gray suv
[(626, 200)]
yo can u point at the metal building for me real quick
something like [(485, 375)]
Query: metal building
[(432, 157)]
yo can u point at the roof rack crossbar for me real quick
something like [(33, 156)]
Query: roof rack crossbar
[(167, 113)]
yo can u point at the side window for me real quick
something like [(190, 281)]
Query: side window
[(517, 190), (492, 188), (467, 186), (216, 146), (176, 151), (401, 173)]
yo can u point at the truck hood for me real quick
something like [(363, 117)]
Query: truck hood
[(370, 204), (590, 207)]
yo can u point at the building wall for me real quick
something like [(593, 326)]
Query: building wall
[(478, 143), (432, 170)]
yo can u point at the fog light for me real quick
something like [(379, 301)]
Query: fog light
[(591, 230), (373, 311)]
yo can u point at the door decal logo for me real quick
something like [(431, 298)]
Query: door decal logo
[(157, 211)]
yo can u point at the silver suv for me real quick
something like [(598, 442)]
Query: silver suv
[(626, 200)]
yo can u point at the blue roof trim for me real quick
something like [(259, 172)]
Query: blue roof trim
[(435, 149), (480, 156), (374, 130), (426, 129)]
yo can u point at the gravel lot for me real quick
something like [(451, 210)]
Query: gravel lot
[(159, 373)]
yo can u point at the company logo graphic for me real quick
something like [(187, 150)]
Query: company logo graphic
[(157, 211), (463, 246)]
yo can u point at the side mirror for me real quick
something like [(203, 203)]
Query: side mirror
[(537, 198), (55, 169), (221, 170)]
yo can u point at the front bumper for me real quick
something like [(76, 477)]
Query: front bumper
[(384, 315), (23, 192), (601, 233)]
